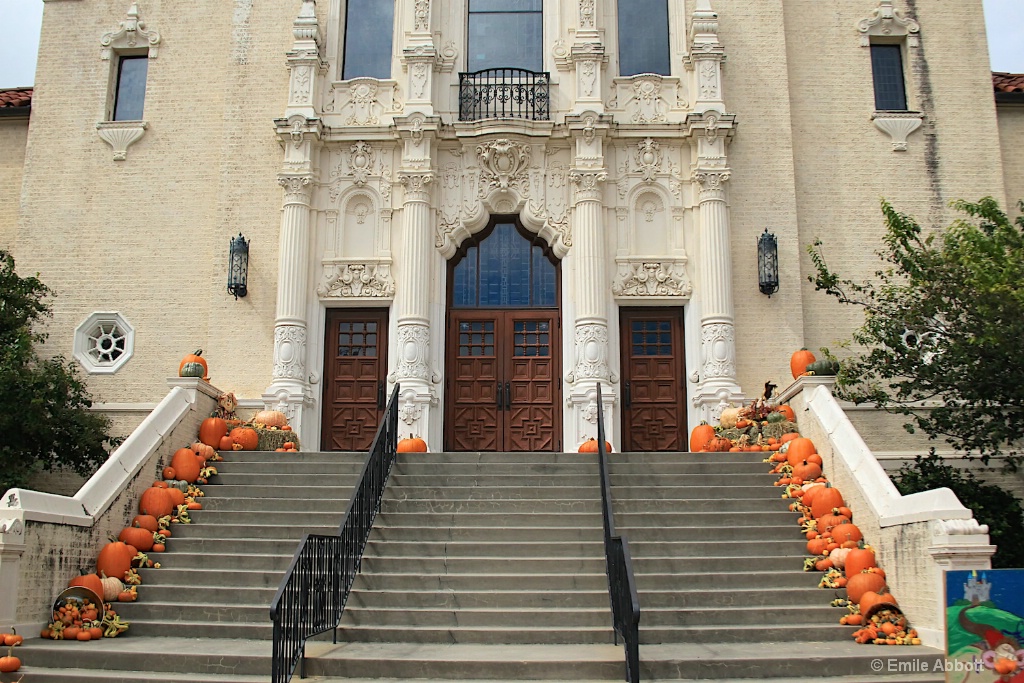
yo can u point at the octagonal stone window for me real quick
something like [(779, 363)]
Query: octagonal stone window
[(104, 342)]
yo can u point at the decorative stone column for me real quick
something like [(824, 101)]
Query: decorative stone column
[(290, 387), (717, 386), (414, 369)]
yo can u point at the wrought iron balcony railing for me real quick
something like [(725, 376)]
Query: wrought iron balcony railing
[(504, 94)]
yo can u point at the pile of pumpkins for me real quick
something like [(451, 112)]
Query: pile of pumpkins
[(116, 579), (225, 435), (836, 546)]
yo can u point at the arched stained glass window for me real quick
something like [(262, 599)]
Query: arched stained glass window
[(504, 270)]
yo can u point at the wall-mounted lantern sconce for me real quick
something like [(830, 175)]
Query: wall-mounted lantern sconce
[(767, 263), (238, 266)]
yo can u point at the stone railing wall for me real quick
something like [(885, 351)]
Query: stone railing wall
[(915, 537), (45, 538)]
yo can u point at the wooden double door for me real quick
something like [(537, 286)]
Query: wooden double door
[(355, 378), (503, 388), (653, 382)]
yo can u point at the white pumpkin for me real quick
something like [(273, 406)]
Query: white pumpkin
[(270, 418), (112, 587), (838, 557), (729, 418)]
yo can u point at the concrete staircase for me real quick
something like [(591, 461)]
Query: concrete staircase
[(491, 567)]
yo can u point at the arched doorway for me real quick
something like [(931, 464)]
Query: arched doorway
[(503, 350)]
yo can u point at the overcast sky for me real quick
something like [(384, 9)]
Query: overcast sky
[(20, 19)]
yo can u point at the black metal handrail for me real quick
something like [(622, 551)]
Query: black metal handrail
[(314, 590), (621, 584), (504, 94)]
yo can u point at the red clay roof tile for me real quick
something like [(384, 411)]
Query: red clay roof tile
[(1004, 82), (16, 97)]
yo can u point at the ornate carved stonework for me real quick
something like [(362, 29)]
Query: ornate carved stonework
[(413, 354), (586, 13), (648, 158), (504, 165), (416, 185), (886, 21), (588, 184), (360, 162), (898, 125), (649, 278), (410, 411), (588, 77), (646, 104), (356, 280), (418, 73), (290, 352), (128, 34), (120, 135), (297, 188), (422, 12), (717, 343), (712, 184), (363, 101), (301, 76), (591, 353)]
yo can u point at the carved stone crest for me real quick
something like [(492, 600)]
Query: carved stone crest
[(360, 162), (648, 158), (649, 278), (504, 165), (357, 280)]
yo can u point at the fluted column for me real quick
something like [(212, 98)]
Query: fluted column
[(717, 385), (590, 294), (414, 368)]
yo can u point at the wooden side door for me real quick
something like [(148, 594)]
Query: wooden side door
[(503, 386), (653, 388), (355, 369)]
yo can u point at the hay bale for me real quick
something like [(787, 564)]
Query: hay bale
[(272, 439)]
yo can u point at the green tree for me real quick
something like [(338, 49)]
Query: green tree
[(943, 324), (45, 421)]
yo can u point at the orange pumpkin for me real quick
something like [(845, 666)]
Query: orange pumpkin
[(115, 559), (155, 502), (799, 361), (846, 532), (413, 444), (206, 451), (700, 436), (825, 500), (872, 599), (798, 450), (226, 444), (168, 473), (147, 522), (185, 465), (807, 471), (787, 411), (719, 445), (195, 358), (137, 537), (90, 581), (212, 430), (246, 437), (177, 496), (816, 546), (9, 663), (858, 560), (590, 446)]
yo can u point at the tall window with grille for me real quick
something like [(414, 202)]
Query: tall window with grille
[(887, 72), (505, 34)]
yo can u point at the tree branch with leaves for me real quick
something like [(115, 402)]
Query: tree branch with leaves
[(943, 330)]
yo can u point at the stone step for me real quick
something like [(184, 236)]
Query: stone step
[(783, 578), (769, 595), (238, 547), (782, 611), (489, 599), (712, 468), (423, 468), (693, 491), (642, 550), (478, 565), (491, 457), (295, 492), (289, 468), (489, 581), (162, 591), (498, 550), (268, 510), (535, 506), (707, 634), (352, 458), (524, 482), (72, 675), (224, 531), (508, 520), (746, 533), (235, 577), (312, 478), (635, 521), (671, 458), (174, 611), (537, 662), (519, 495), (482, 617), (766, 502), (416, 635), (684, 480), (253, 562), (789, 561), (478, 534), (201, 629)]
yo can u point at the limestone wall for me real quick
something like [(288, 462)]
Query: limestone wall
[(1011, 137), (13, 138)]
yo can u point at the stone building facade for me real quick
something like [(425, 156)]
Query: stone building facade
[(496, 205)]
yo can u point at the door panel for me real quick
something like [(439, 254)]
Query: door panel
[(355, 349), (503, 386), (653, 413)]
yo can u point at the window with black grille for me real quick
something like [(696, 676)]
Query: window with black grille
[(887, 70)]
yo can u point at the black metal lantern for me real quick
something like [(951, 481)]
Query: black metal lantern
[(767, 263), (238, 266)]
